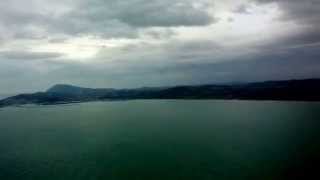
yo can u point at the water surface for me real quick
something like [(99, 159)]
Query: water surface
[(163, 140)]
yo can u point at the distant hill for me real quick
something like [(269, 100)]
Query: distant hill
[(295, 90)]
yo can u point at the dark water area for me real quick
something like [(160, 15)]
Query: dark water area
[(161, 140)]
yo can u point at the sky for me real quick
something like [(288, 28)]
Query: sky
[(137, 43)]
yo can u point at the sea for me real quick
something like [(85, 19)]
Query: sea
[(161, 140)]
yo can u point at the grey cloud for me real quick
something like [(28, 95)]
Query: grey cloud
[(168, 62), (299, 63), (230, 19), (58, 40), (306, 11), (164, 68), (147, 13), (106, 18), (165, 15), (160, 34), (296, 64), (27, 55), (242, 9), (306, 35), (170, 52)]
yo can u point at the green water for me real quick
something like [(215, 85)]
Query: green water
[(160, 140)]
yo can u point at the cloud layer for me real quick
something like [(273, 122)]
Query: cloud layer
[(113, 43)]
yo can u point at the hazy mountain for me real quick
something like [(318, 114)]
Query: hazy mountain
[(299, 90)]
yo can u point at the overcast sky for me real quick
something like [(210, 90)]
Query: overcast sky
[(134, 43)]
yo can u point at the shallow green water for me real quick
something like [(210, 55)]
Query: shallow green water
[(160, 140)]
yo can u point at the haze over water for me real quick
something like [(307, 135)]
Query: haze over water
[(165, 139)]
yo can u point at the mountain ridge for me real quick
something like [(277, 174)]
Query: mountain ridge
[(295, 90)]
